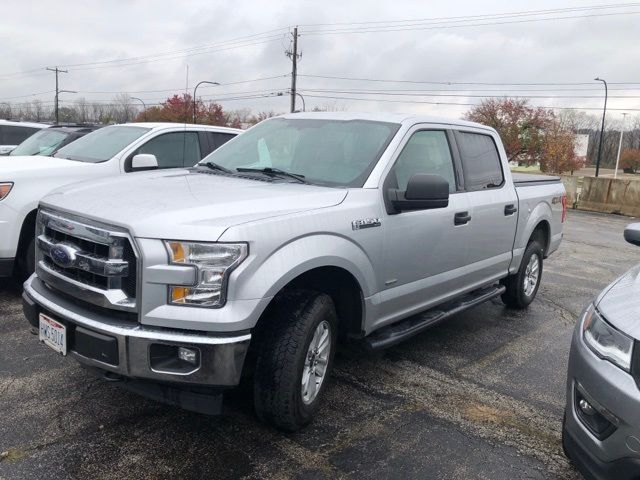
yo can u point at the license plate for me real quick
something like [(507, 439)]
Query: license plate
[(53, 334)]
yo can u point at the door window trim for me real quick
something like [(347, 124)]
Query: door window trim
[(454, 134), (129, 156)]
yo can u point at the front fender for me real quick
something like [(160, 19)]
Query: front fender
[(267, 278)]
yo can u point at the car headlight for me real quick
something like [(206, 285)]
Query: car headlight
[(213, 263), (605, 341), (5, 188)]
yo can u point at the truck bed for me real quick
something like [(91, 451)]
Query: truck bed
[(529, 179)]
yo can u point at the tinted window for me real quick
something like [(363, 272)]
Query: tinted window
[(42, 143), (328, 152), (14, 135), (176, 149), (427, 151), (480, 161), (101, 145), (218, 139)]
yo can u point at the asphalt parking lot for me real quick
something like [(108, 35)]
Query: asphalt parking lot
[(479, 397)]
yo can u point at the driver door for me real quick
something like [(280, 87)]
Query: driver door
[(424, 250)]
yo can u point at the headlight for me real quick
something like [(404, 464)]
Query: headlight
[(606, 341), (5, 188), (213, 263)]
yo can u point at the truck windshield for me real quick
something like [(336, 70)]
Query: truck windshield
[(326, 152), (42, 143), (101, 145)]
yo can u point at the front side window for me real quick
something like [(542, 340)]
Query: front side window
[(480, 161), (101, 145), (326, 152), (42, 143), (173, 150), (427, 151)]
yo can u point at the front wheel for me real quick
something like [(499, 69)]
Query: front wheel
[(523, 285), (295, 354), (27, 262)]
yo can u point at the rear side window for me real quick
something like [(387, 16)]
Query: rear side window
[(480, 161), (217, 139), (14, 135)]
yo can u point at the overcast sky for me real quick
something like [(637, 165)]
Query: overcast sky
[(36, 34)]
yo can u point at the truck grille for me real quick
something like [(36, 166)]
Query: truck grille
[(91, 262)]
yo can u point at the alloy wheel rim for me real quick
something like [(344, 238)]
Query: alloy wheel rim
[(315, 364), (532, 275)]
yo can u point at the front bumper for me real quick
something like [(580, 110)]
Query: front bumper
[(613, 393), (221, 357)]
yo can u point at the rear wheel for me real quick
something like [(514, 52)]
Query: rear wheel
[(294, 358), (523, 285)]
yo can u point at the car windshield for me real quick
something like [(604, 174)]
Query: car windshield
[(42, 143), (327, 152), (101, 145)]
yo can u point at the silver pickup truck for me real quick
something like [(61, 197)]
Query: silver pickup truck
[(306, 231)]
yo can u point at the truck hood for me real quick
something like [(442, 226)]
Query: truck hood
[(187, 204), (620, 303), (19, 166)]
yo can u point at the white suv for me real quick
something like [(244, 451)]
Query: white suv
[(104, 153), (14, 133)]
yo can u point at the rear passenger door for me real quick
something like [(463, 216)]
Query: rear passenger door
[(492, 206)]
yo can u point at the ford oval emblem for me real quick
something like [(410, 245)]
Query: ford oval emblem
[(63, 255)]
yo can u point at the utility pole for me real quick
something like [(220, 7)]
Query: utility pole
[(294, 56), (604, 113), (57, 70), (615, 172)]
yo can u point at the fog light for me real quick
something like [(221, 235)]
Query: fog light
[(188, 355), (586, 407)]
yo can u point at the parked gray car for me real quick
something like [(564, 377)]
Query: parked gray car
[(306, 230), (601, 431)]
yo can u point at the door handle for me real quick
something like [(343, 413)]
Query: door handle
[(510, 209), (461, 218)]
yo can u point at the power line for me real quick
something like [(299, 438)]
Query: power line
[(477, 17), (434, 27), (472, 95), (456, 104), (431, 82)]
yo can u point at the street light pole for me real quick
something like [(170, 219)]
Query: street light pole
[(304, 107), (615, 173), (604, 112), (144, 107), (58, 92), (195, 103)]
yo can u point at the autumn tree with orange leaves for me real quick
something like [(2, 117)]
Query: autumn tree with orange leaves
[(630, 160), (179, 108), (529, 134)]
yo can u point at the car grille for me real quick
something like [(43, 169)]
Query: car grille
[(90, 262)]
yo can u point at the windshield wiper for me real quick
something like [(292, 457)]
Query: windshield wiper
[(274, 172), (215, 166)]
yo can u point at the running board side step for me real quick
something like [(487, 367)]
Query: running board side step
[(393, 334)]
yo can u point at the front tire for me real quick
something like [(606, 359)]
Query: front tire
[(27, 262), (523, 285), (294, 358)]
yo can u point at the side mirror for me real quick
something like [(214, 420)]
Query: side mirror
[(424, 191), (144, 161), (632, 233)]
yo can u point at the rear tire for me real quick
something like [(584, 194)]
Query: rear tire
[(523, 285), (296, 344)]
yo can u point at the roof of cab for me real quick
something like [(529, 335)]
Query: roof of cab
[(17, 123), (404, 118), (191, 126)]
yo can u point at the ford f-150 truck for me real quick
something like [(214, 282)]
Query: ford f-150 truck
[(109, 151), (307, 230)]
